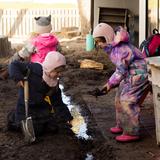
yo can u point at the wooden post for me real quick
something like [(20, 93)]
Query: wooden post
[(5, 46)]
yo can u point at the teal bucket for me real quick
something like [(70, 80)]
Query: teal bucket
[(89, 42)]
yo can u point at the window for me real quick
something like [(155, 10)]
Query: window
[(153, 14)]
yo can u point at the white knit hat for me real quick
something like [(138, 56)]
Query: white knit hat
[(43, 24), (104, 30)]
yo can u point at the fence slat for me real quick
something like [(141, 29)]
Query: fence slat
[(14, 25)]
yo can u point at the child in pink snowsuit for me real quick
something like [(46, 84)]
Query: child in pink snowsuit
[(45, 41), (130, 77)]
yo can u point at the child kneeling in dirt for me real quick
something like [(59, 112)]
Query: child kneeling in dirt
[(43, 83), (130, 76)]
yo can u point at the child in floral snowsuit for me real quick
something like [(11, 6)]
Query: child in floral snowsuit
[(130, 76)]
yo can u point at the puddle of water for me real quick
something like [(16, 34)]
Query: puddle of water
[(79, 126), (89, 157)]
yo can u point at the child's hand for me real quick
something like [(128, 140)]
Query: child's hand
[(20, 84), (106, 88), (97, 92)]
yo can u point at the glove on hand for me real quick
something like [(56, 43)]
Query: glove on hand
[(97, 92)]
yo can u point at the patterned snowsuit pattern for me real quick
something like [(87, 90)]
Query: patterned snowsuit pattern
[(132, 80)]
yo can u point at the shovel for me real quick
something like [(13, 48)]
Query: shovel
[(27, 124)]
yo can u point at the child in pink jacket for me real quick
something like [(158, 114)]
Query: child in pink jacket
[(44, 41)]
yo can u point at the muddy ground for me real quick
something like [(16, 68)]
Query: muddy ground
[(92, 139)]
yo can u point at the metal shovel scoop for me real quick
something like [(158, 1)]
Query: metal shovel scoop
[(27, 124)]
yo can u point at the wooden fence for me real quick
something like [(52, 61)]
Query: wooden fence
[(18, 23)]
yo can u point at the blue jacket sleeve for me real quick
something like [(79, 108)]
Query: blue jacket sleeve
[(17, 70)]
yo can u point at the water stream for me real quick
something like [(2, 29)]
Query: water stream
[(79, 123)]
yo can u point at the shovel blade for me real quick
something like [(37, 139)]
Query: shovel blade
[(28, 130)]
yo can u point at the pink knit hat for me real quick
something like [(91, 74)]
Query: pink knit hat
[(52, 61), (104, 30)]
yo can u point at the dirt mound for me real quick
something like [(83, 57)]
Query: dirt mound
[(98, 114)]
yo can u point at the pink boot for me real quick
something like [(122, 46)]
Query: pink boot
[(127, 138), (116, 130)]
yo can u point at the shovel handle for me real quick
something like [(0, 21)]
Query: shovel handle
[(26, 96), (26, 90)]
